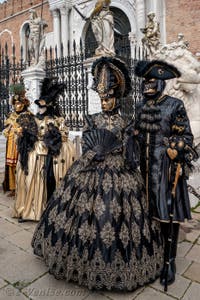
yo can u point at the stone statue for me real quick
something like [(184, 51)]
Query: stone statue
[(187, 87), (102, 22), (151, 32), (36, 41), (180, 43)]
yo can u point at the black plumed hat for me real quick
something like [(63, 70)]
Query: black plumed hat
[(111, 73), (49, 92), (156, 69)]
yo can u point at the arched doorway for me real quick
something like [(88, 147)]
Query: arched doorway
[(122, 28)]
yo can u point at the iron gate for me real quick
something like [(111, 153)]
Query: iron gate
[(71, 71)]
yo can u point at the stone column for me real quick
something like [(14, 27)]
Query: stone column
[(140, 13), (64, 11), (154, 6), (133, 42), (57, 30), (32, 81)]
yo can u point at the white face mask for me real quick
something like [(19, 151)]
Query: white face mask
[(42, 110)]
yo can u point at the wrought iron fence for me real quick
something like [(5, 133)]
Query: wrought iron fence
[(71, 71), (10, 72), (129, 104)]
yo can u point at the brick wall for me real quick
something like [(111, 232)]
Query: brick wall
[(181, 16), (184, 16), (13, 14)]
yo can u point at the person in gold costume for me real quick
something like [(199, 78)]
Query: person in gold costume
[(20, 104), (45, 161)]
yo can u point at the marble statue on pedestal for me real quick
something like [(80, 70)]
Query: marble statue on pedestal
[(151, 39), (187, 87), (36, 41)]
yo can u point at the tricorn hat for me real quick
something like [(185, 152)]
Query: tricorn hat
[(156, 69), (49, 93), (111, 74), (18, 92)]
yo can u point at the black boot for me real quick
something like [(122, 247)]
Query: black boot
[(172, 266)]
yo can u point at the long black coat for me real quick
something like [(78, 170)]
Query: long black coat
[(155, 121)]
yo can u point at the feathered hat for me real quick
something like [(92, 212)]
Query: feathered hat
[(49, 93), (156, 69), (111, 74), (18, 92)]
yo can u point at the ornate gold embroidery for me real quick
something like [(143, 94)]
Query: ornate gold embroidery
[(124, 235), (107, 234), (136, 235), (107, 183), (84, 232), (115, 209), (99, 207), (94, 272)]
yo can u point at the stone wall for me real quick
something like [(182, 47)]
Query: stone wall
[(183, 16)]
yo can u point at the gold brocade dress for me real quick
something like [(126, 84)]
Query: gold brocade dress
[(11, 152), (32, 189)]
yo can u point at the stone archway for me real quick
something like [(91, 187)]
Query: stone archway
[(122, 28)]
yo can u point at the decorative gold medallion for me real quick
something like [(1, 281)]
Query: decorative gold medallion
[(172, 153)]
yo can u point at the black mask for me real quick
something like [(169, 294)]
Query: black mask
[(152, 88)]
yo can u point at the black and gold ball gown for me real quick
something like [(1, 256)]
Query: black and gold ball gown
[(95, 230)]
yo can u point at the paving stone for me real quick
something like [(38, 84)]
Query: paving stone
[(10, 293), (29, 226), (151, 294), (193, 272), (2, 207), (197, 210), (193, 235), (2, 283), (7, 228), (183, 248), (7, 215), (177, 289), (123, 295), (48, 288), (193, 293), (6, 201), (182, 235), (196, 215), (99, 296), (194, 253), (22, 239), (182, 265), (17, 265)]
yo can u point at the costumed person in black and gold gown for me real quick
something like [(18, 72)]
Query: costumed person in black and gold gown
[(45, 155), (166, 143), (95, 230), (20, 104)]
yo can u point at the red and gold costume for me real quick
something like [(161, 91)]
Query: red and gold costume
[(20, 104)]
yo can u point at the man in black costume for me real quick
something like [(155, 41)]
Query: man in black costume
[(166, 144)]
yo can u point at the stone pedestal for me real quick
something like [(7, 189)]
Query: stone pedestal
[(94, 103), (32, 81)]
